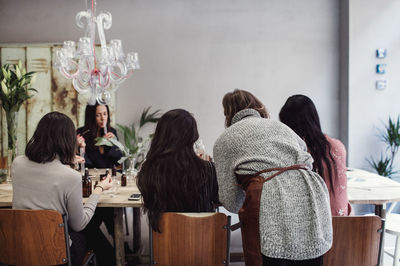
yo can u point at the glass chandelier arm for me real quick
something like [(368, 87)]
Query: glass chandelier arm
[(104, 22), (65, 72), (79, 87), (123, 71), (83, 15)]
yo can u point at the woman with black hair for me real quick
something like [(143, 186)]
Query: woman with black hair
[(173, 178), (97, 124), (44, 180), (329, 154)]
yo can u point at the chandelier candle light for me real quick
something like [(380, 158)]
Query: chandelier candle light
[(97, 77)]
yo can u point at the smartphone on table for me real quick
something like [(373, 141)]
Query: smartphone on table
[(135, 196)]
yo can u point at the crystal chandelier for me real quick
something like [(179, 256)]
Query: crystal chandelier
[(97, 77)]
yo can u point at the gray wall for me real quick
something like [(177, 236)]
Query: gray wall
[(372, 25), (193, 52)]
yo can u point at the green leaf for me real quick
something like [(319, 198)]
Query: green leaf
[(149, 118)]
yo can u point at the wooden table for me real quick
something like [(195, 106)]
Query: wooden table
[(118, 203)]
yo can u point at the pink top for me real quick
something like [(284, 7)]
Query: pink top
[(340, 205)]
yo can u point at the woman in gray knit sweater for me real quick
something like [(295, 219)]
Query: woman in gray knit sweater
[(264, 173)]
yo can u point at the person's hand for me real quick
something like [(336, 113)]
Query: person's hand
[(109, 135), (106, 183), (81, 141), (79, 159)]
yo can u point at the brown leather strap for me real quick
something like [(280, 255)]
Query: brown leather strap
[(249, 214), (280, 170), (244, 180)]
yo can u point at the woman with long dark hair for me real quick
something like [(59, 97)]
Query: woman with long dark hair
[(173, 178), (97, 124), (43, 178), (265, 174), (329, 154)]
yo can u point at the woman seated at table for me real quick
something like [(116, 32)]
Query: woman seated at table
[(44, 179), (173, 178), (264, 174), (329, 154), (97, 124)]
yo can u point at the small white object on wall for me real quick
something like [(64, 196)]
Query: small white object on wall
[(381, 84)]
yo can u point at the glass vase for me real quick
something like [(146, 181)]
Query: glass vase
[(12, 123), (131, 170)]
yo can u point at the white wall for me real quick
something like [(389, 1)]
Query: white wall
[(193, 52), (372, 25)]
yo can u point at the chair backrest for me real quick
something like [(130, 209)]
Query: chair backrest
[(191, 239), (356, 241), (33, 237)]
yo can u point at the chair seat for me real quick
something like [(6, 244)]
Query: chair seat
[(393, 224)]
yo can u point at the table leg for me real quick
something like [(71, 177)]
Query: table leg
[(136, 230), (380, 211), (119, 237)]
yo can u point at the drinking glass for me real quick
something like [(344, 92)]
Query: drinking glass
[(113, 191), (200, 149)]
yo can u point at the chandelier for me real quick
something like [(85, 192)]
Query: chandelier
[(96, 77)]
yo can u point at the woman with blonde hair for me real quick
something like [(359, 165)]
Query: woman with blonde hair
[(264, 173)]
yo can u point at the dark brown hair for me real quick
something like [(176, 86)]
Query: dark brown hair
[(54, 135), (173, 178), (238, 100)]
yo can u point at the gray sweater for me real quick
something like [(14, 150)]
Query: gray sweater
[(51, 186), (295, 218)]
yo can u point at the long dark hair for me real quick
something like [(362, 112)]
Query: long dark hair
[(91, 127), (173, 177), (300, 114), (238, 100), (54, 135)]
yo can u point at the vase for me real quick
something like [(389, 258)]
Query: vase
[(12, 123), (131, 171)]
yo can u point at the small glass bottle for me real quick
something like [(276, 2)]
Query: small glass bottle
[(86, 186), (123, 179), (113, 171)]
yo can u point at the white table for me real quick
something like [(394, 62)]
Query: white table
[(364, 187)]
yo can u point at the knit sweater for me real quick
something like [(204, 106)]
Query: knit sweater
[(295, 219), (51, 186)]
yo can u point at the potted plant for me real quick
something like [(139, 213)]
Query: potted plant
[(135, 146), (390, 136), (15, 87)]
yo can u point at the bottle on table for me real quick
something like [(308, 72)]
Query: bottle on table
[(86, 184), (123, 179), (114, 171)]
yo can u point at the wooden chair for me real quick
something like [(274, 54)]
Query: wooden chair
[(35, 237), (191, 239), (356, 241)]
